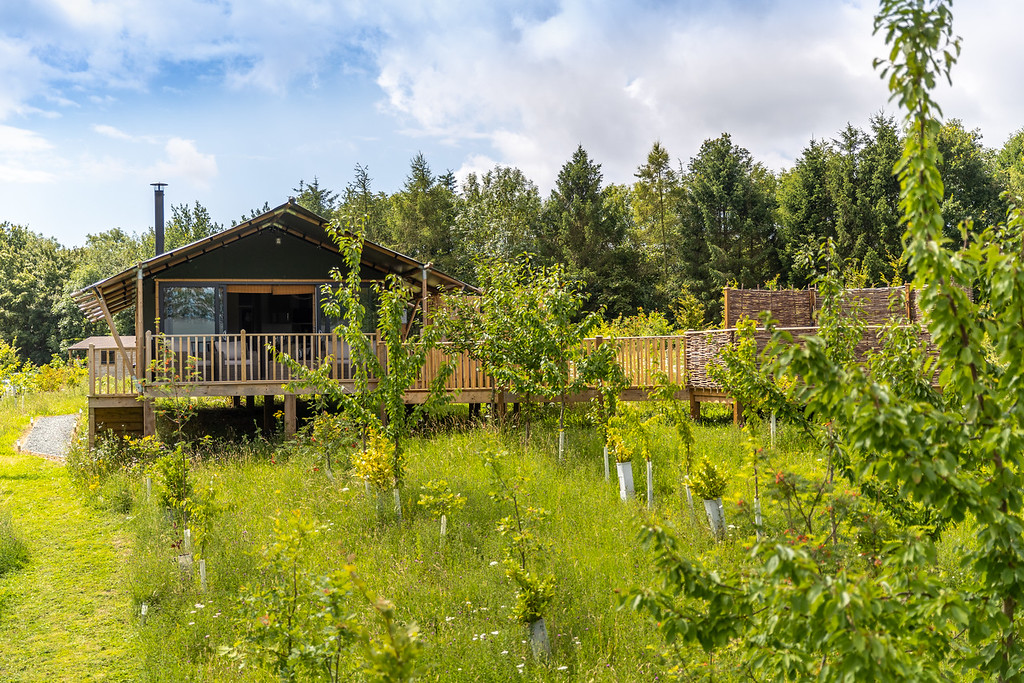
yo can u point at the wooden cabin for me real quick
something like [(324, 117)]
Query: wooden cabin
[(216, 312)]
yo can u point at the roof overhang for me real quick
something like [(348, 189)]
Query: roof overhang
[(118, 292)]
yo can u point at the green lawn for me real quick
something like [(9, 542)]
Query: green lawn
[(66, 615)]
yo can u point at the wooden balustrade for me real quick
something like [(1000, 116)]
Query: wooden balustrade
[(254, 359), (108, 373), (204, 359)]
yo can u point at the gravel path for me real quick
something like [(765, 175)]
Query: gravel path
[(51, 436)]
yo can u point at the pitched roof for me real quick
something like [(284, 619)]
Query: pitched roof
[(118, 291), (103, 343)]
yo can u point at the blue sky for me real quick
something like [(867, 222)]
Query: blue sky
[(232, 102)]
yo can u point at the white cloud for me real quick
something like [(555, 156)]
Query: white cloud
[(112, 132), (24, 156), (183, 161), (21, 141)]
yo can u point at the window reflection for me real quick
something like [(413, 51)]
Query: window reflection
[(189, 310)]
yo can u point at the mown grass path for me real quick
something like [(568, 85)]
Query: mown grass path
[(65, 616)]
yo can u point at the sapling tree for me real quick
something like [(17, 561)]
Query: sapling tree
[(957, 453), (665, 393), (527, 331), (382, 376), (438, 499), (305, 627), (535, 592), (601, 369), (169, 376)]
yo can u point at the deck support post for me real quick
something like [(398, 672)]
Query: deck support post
[(148, 418), (290, 405), (250, 402), (268, 414), (737, 413), (236, 401), (92, 427), (694, 407)]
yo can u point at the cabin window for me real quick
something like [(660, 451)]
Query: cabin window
[(191, 310), (367, 296)]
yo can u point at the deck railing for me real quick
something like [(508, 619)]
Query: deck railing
[(109, 375), (253, 359)]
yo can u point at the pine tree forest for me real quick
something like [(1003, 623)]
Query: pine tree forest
[(670, 241)]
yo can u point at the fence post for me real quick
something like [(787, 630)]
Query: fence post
[(243, 342), (92, 370)]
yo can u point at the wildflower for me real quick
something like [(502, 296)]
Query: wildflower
[(200, 605), (494, 562), (494, 633)]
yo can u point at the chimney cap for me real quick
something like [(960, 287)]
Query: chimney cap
[(159, 186)]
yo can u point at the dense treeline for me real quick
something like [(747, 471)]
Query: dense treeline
[(679, 233)]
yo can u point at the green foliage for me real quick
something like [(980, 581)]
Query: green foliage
[(630, 432), (527, 331), (726, 212), (33, 270), (953, 455), (642, 324), (111, 455), (675, 412), (524, 545), (393, 366), (279, 630), (302, 627), (391, 657), (333, 435), (437, 499), (587, 230), (654, 197), (423, 212), (173, 472), (10, 362), (375, 464), (498, 216), (688, 311), (533, 596), (706, 481), (749, 379), (13, 550), (617, 445), (319, 200)]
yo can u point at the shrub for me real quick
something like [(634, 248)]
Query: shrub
[(707, 482)]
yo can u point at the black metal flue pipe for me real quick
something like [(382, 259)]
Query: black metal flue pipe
[(158, 225)]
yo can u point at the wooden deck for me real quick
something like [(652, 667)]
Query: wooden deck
[(244, 365)]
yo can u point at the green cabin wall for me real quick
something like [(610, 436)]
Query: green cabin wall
[(258, 258)]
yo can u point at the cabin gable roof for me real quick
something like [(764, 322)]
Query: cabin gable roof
[(287, 242)]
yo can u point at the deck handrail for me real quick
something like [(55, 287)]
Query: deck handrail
[(251, 358)]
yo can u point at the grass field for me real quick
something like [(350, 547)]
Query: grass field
[(65, 616), (101, 548), (457, 593)]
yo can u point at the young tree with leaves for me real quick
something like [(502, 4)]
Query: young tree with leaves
[(393, 368), (956, 453)]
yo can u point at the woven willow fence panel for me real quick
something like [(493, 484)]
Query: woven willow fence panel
[(799, 307)]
